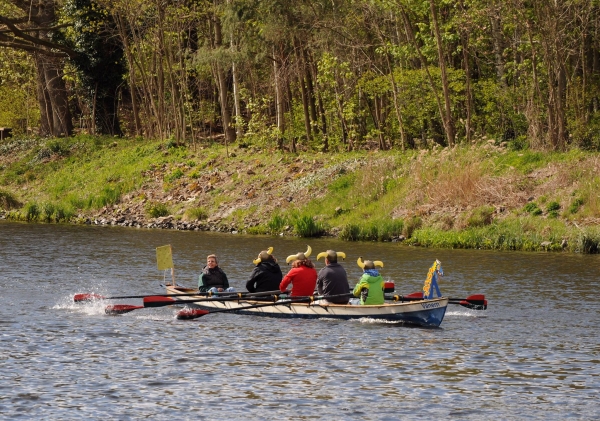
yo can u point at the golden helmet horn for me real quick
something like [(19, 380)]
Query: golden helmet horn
[(263, 255), (368, 263), (299, 256), (360, 263), (330, 252)]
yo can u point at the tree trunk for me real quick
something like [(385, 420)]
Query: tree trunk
[(279, 115), (447, 117), (222, 87)]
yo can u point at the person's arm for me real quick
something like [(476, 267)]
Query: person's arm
[(251, 283), (287, 279), (225, 280), (320, 280), (201, 284), (361, 284)]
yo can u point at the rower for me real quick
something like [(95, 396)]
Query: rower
[(212, 278), (332, 279), (266, 274), (371, 285)]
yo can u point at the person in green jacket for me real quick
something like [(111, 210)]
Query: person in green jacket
[(371, 285)]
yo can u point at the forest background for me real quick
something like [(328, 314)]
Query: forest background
[(461, 123)]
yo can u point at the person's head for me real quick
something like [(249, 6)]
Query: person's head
[(264, 256), (368, 264), (331, 256), (212, 261)]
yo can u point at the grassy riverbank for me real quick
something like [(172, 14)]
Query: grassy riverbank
[(476, 196)]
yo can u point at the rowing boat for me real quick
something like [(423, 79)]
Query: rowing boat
[(426, 312)]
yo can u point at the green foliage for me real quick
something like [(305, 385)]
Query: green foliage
[(306, 226), (31, 211), (342, 183), (176, 174), (552, 209), (375, 230), (481, 216), (156, 210), (109, 195), (197, 213), (55, 213), (411, 225), (588, 242), (350, 232), (99, 59), (532, 208), (575, 205), (277, 223), (8, 200)]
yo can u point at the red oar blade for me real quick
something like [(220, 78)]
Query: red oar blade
[(120, 309), (191, 313), (478, 305), (414, 295), (78, 298), (158, 301)]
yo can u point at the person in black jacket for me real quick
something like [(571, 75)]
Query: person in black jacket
[(266, 275), (212, 278)]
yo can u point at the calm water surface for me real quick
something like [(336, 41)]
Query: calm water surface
[(535, 354)]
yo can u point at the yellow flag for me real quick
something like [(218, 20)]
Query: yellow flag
[(164, 258)]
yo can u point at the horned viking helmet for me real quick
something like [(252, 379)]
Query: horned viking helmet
[(299, 256), (368, 264), (331, 255), (263, 255)]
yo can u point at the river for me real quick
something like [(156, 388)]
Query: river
[(534, 354)]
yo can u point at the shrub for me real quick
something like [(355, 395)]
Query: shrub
[(411, 225), (176, 174), (306, 226), (276, 223), (156, 210), (481, 217), (48, 212), (350, 232), (577, 203), (32, 211), (589, 242), (533, 209), (198, 213), (553, 206)]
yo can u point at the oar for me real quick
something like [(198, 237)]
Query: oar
[(120, 309), (192, 313), (162, 300), (474, 302), (95, 297)]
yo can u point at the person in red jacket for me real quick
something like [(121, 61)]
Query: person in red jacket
[(302, 276)]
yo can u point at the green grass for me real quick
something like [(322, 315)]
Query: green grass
[(197, 213), (433, 198)]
